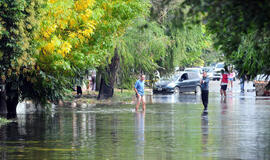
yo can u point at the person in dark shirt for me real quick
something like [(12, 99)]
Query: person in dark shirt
[(205, 90), (242, 83)]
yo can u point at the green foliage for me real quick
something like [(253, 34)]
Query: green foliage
[(143, 45), (116, 19), (3, 121), (44, 45), (160, 42), (189, 43), (120, 21), (210, 56), (241, 30), (83, 37), (18, 21)]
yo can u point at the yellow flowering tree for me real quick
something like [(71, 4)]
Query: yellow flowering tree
[(46, 43), (76, 35), (59, 48), (18, 22), (65, 30)]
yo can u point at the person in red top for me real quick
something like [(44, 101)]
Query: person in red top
[(223, 83)]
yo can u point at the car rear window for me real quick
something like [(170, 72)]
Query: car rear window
[(220, 66), (193, 76)]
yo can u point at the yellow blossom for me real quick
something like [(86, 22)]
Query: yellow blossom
[(87, 32), (49, 48), (47, 32), (3, 77), (24, 70), (9, 72), (72, 22), (63, 24), (81, 5), (52, 1), (72, 35), (65, 48)]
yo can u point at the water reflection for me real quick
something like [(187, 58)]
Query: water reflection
[(204, 131), (242, 97), (224, 107), (16, 137), (139, 134), (173, 98), (231, 130)]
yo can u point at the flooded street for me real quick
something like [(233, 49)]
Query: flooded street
[(173, 127)]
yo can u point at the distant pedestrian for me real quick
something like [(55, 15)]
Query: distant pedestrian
[(89, 85), (223, 83), (205, 90), (230, 78), (79, 84), (242, 83), (79, 90), (93, 77), (139, 89)]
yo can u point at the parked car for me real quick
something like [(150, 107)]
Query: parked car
[(181, 82), (199, 71), (209, 71), (217, 71)]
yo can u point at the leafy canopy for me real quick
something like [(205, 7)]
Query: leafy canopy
[(45, 44), (241, 30)]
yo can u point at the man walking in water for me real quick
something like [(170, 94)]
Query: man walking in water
[(139, 89), (205, 90)]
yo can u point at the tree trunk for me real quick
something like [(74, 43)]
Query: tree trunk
[(3, 104), (12, 106), (9, 100), (98, 79), (106, 89)]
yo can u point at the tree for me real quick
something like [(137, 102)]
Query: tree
[(241, 30), (75, 37), (189, 44), (160, 42), (45, 44), (142, 48), (65, 47), (18, 21), (119, 16)]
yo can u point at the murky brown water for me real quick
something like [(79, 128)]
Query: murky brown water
[(172, 128)]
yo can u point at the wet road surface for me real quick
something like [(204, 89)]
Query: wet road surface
[(173, 127)]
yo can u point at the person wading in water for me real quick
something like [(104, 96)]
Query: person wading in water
[(205, 90), (139, 89)]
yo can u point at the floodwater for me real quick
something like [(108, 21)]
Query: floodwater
[(172, 128)]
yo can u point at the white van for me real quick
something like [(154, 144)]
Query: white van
[(217, 71), (196, 70)]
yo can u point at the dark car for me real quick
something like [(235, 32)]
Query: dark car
[(181, 82)]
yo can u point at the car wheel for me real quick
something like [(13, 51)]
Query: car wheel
[(176, 90), (198, 90)]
